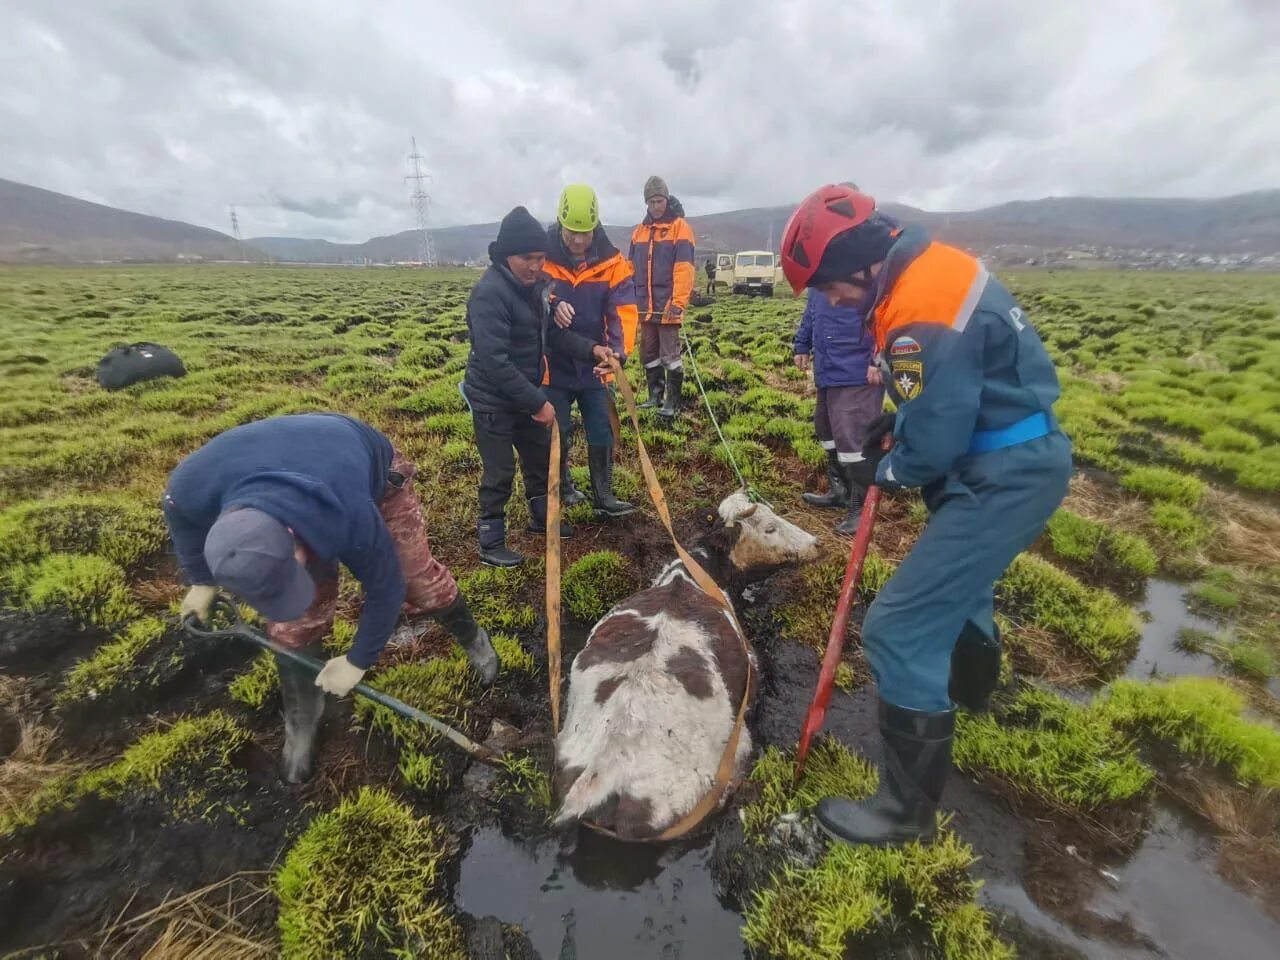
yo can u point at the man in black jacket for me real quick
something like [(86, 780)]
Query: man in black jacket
[(507, 317)]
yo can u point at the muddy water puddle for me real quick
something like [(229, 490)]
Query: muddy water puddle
[(1158, 653), (600, 898), (1169, 893)]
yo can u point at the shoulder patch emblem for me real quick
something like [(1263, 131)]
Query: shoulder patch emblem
[(908, 378), (904, 346)]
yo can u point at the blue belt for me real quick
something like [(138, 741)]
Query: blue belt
[(1030, 428)]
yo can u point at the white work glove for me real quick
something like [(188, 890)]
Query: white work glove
[(198, 601), (339, 676)]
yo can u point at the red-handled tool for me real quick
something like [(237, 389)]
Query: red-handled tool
[(839, 625)]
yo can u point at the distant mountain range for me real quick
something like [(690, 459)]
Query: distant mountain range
[(39, 226)]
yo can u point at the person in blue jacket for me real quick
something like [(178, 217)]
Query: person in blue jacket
[(850, 396), (975, 431), (267, 511)]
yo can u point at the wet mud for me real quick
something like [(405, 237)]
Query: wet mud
[(524, 890)]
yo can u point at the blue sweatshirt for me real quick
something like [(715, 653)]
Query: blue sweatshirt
[(840, 340), (323, 475)]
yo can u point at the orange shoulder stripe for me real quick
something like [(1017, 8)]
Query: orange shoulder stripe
[(941, 286)]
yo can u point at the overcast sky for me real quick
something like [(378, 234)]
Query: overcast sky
[(299, 112)]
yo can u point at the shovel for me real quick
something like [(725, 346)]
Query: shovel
[(240, 630), (840, 624)]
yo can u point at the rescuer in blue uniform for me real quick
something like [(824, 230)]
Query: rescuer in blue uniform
[(975, 431)]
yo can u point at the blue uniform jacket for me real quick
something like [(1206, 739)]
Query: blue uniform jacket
[(958, 356), (841, 342), (323, 475)]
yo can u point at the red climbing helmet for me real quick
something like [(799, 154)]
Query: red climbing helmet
[(821, 216)]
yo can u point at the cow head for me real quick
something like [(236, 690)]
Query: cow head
[(755, 541)]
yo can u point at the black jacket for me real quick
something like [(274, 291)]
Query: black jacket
[(510, 334)]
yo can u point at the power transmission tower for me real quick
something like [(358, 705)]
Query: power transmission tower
[(421, 205), (235, 232)]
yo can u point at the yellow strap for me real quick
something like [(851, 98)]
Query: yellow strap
[(553, 575)]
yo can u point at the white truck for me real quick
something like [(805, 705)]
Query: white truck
[(753, 272)]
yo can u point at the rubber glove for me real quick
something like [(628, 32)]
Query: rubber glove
[(339, 676), (198, 601)]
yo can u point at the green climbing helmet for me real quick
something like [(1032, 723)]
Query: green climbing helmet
[(579, 209)]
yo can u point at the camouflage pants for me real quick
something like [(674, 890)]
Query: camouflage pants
[(429, 586)]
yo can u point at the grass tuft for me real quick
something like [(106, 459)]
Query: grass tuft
[(115, 665), (1203, 718), (595, 582), (1095, 621), (1063, 753), (830, 770), (820, 912), (365, 879)]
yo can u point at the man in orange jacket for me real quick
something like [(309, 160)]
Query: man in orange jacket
[(662, 253)]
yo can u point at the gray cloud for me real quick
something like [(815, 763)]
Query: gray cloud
[(300, 113)]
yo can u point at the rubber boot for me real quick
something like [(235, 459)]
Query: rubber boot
[(472, 638), (917, 762), (655, 378), (975, 668), (837, 495), (600, 458), (849, 525), (671, 398), (538, 519), (493, 544), (570, 496), (303, 707)]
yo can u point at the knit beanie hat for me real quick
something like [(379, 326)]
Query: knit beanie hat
[(854, 250), (655, 187), (519, 233)]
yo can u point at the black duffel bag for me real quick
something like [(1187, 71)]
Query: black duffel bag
[(135, 362)]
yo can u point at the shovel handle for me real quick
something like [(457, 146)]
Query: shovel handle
[(840, 623), (243, 631)]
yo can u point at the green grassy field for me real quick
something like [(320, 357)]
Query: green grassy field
[(1171, 395)]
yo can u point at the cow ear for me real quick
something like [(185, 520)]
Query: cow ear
[(722, 536)]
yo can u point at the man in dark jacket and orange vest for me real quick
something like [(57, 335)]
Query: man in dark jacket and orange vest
[(269, 509), (593, 296), (975, 431), (508, 318), (662, 252), (850, 396)]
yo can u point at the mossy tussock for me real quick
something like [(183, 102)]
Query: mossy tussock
[(119, 666), (1067, 755), (367, 878), (442, 687), (187, 770), (1201, 717), (1092, 620), (89, 587), (593, 583), (831, 769)]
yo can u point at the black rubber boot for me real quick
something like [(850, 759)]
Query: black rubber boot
[(538, 519), (570, 496), (837, 495), (849, 525), (303, 707), (600, 458), (671, 398), (917, 762), (472, 638), (493, 544), (975, 668), (655, 378)]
